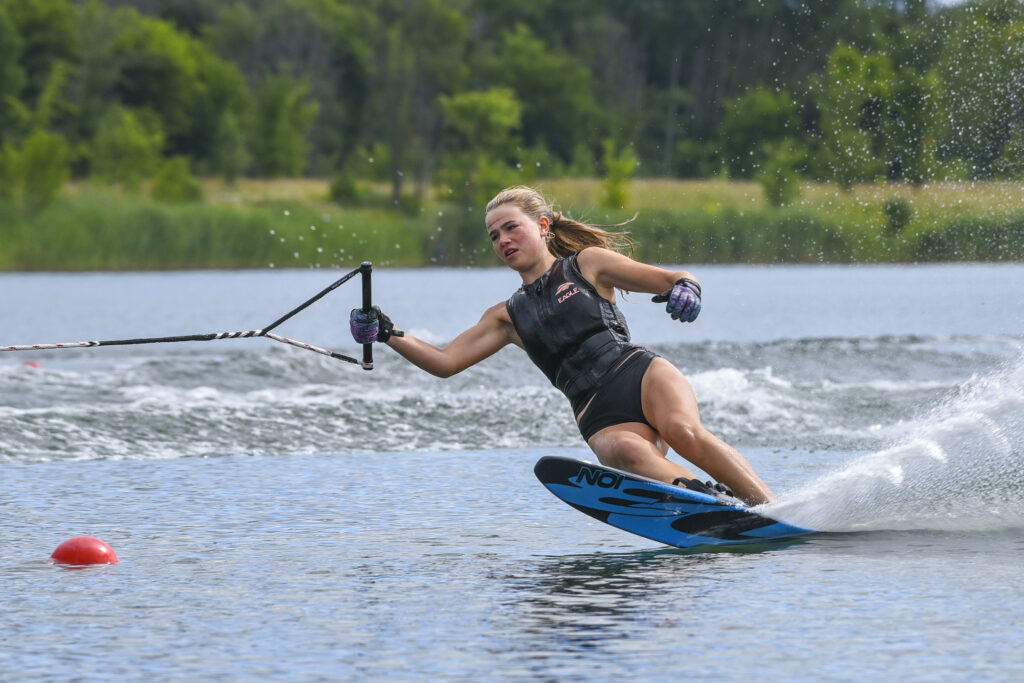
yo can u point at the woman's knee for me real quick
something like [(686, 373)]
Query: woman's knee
[(628, 451), (686, 437)]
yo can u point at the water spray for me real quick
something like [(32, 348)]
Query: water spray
[(959, 468)]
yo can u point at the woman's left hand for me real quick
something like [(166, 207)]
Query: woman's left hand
[(682, 301)]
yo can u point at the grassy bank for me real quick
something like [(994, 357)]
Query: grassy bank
[(290, 223)]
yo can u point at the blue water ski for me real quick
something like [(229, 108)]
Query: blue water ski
[(661, 512)]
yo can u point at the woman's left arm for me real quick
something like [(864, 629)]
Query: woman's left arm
[(609, 270)]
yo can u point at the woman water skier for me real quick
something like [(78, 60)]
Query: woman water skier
[(630, 404)]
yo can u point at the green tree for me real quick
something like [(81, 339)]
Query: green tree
[(852, 96), (47, 31), (779, 170), (697, 159), (484, 120), (127, 147), (688, 84), (324, 43), (10, 171), (421, 48), (174, 182), (229, 155), (898, 213), (483, 129), (1010, 163), (982, 69), (619, 166), (877, 120), (176, 77), (12, 77), (911, 125), (761, 115), (558, 107), (582, 163), (284, 114), (45, 165), (52, 106)]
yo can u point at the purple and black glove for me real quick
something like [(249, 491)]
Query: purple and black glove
[(371, 326), (682, 301)]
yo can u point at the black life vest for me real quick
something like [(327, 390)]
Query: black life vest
[(573, 334)]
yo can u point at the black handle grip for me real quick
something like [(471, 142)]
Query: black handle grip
[(365, 268)]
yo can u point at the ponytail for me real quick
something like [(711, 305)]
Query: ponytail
[(569, 236), (566, 236)]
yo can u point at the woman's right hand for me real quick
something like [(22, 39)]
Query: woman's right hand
[(371, 326)]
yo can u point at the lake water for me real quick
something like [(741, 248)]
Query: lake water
[(282, 514)]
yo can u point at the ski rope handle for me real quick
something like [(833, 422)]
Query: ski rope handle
[(366, 363)]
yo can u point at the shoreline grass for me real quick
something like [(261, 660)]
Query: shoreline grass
[(292, 223)]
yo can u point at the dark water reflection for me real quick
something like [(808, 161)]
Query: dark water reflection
[(636, 604)]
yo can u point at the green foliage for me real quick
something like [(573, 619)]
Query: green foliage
[(52, 106), (327, 44), (12, 75), (483, 127), (696, 159), (910, 127), (109, 231), (48, 34), (176, 77), (283, 118), (619, 167), (127, 147), (485, 119), (103, 229), (582, 164), (971, 238), (760, 116), (44, 168), (898, 213), (372, 163), (981, 69), (344, 188), (10, 171), (851, 96), (915, 91), (174, 182), (534, 162), (229, 155), (421, 58), (778, 174), (558, 108), (1010, 163), (730, 236)]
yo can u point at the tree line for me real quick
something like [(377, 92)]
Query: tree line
[(464, 96)]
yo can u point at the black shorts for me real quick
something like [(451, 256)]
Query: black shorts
[(619, 400)]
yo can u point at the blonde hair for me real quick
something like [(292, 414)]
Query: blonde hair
[(566, 235)]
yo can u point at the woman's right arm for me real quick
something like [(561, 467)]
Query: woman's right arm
[(491, 333)]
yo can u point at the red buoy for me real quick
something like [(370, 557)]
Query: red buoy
[(32, 364), (84, 550)]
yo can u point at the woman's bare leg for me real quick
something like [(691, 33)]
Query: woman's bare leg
[(636, 448), (670, 406)]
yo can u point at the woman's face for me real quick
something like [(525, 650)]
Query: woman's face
[(517, 239)]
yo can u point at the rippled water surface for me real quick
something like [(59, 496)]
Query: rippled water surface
[(279, 513)]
